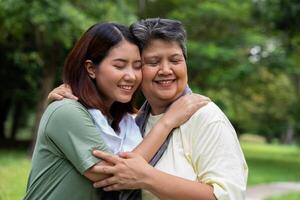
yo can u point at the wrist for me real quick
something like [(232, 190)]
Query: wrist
[(149, 181), (165, 124)]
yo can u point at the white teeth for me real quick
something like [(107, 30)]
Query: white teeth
[(165, 82), (126, 87)]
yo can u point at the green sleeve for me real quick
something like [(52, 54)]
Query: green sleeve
[(71, 130)]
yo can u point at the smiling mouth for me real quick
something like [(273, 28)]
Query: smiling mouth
[(165, 83), (126, 87)]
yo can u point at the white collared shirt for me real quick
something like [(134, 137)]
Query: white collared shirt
[(128, 137)]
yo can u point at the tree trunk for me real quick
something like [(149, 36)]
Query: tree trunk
[(4, 110), (17, 115), (141, 8), (51, 56), (288, 136), (269, 138), (46, 87)]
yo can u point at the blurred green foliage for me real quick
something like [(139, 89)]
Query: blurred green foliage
[(242, 54)]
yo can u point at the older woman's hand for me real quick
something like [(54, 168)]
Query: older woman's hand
[(183, 108), (130, 171), (60, 92)]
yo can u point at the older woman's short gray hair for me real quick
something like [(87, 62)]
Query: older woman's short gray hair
[(156, 28)]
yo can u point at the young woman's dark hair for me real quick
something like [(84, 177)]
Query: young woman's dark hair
[(94, 45)]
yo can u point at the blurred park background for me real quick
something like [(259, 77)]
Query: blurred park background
[(243, 54)]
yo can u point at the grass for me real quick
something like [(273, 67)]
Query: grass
[(267, 163), (289, 196), (272, 163), (14, 169)]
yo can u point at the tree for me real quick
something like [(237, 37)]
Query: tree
[(280, 19), (41, 34)]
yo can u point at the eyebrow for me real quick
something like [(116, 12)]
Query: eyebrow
[(120, 60), (125, 61), (157, 56), (176, 54), (151, 57)]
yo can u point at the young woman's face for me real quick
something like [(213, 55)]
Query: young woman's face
[(119, 74), (164, 71)]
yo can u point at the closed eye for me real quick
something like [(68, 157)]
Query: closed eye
[(176, 61), (119, 66), (152, 63), (137, 65)]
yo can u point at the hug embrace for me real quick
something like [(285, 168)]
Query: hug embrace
[(179, 145)]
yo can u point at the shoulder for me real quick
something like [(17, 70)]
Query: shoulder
[(66, 105), (208, 114), (66, 110)]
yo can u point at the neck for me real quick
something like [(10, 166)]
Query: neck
[(108, 104), (157, 109)]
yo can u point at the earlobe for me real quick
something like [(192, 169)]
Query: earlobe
[(90, 68)]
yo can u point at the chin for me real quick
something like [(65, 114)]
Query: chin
[(168, 98), (124, 100)]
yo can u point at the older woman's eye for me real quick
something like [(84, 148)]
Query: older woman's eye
[(152, 63), (176, 61)]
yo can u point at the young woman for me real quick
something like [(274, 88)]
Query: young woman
[(104, 71)]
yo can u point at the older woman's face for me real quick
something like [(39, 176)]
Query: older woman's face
[(164, 71)]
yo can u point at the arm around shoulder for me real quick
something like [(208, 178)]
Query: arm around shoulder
[(71, 129)]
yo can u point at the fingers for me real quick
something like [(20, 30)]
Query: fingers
[(66, 86), (54, 96), (204, 98), (127, 154), (107, 157), (106, 182), (103, 169), (114, 187), (70, 96), (63, 91)]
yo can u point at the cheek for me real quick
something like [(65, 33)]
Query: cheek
[(148, 74), (182, 72), (106, 77), (139, 77)]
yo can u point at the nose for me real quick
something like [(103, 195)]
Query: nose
[(130, 75), (165, 68)]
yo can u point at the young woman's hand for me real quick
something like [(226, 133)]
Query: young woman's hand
[(130, 171), (63, 91), (183, 108)]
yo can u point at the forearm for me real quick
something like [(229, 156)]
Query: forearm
[(147, 148), (93, 176), (152, 142), (166, 186)]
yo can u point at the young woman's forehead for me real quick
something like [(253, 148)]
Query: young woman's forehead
[(124, 49)]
